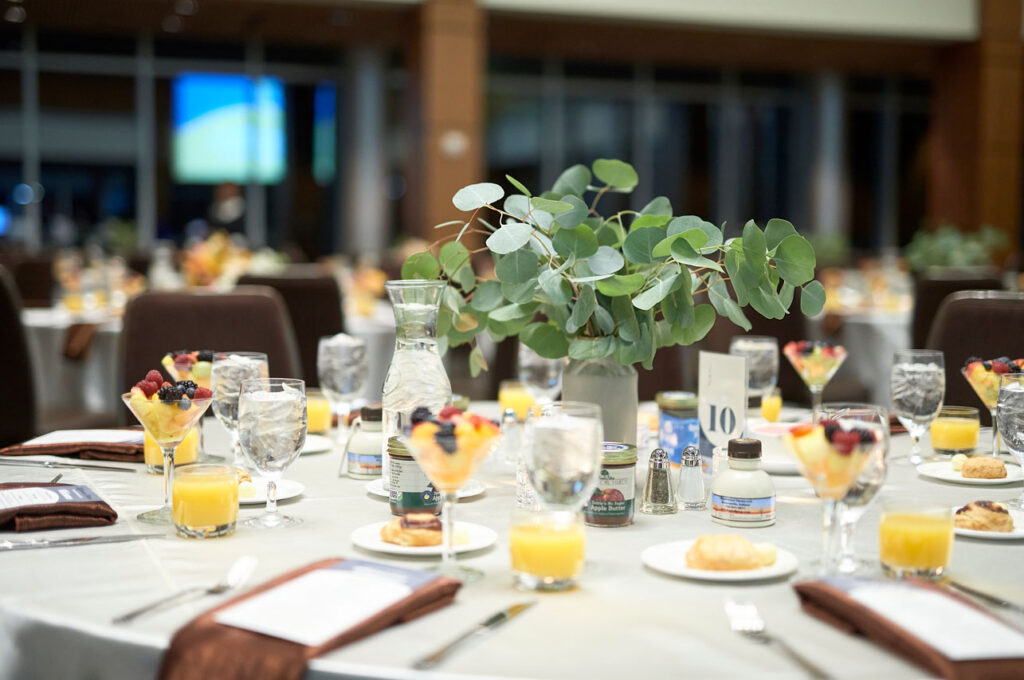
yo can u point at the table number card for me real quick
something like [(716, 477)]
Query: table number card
[(722, 399)]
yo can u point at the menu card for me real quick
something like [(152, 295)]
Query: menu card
[(722, 399), (41, 495)]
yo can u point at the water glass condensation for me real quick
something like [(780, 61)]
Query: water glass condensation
[(918, 387), (341, 369), (272, 432), (762, 355), (1010, 418), (541, 377), (227, 373)]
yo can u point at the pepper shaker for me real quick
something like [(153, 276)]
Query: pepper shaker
[(659, 495), (691, 480)]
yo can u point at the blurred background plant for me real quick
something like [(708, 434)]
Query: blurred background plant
[(948, 246)]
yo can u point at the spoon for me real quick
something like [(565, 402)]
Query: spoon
[(238, 574)]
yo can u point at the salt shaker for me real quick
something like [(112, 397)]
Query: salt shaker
[(659, 497), (691, 480), (510, 437)]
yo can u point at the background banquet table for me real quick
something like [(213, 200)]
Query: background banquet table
[(55, 605)]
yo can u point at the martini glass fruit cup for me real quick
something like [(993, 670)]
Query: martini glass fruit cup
[(449, 449), (832, 453), (167, 423), (194, 366), (983, 377), (815, 362)]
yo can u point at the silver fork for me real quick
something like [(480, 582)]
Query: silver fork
[(239, 573), (746, 619)]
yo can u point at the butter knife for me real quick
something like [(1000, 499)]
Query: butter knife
[(36, 543), (986, 597), (476, 631), (54, 464)]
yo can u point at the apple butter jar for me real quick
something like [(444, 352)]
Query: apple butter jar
[(612, 502)]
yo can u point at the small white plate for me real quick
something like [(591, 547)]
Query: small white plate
[(468, 537), (472, 488), (1016, 535), (943, 471), (317, 443), (286, 489), (670, 558)]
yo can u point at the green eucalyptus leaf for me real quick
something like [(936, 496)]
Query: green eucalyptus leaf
[(812, 298), (555, 313), (663, 334), (625, 316), (451, 299), (580, 242), (421, 266), (517, 205), (718, 293), (661, 285), (504, 329), (555, 286), (517, 267), (776, 230), (614, 173), (649, 221), (477, 362), (541, 244), (519, 292), (573, 180), (621, 284), (487, 296), (794, 258), (466, 278), (542, 219), (516, 311), (511, 236), (683, 253), (449, 223), (703, 319), (688, 222), (444, 321), (606, 260), (454, 256), (786, 294), (754, 248), (660, 205), (604, 320), (640, 243), (765, 301), (553, 207), (442, 345), (587, 348), (546, 340), (477, 195), (583, 309), (733, 265), (465, 322), (576, 215), (518, 185)]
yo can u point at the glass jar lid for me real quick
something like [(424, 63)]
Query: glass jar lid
[(397, 448), (616, 453), (676, 400)]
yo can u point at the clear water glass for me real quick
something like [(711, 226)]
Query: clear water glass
[(341, 368), (762, 355), (563, 453), (918, 387), (272, 432), (541, 377), (227, 373), (1010, 418)]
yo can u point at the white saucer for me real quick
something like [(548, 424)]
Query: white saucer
[(286, 488), (317, 443), (1016, 535), (943, 471), (468, 537), (670, 558), (472, 488)]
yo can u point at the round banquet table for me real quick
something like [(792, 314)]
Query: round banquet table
[(623, 621)]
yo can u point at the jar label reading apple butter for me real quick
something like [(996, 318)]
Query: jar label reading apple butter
[(612, 501), (742, 510)]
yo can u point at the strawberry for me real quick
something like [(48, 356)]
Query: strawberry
[(448, 412), (999, 367), (972, 366), (148, 388), (203, 393), (154, 376), (846, 441)]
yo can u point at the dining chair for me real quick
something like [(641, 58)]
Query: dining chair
[(314, 307), (982, 323), (248, 318), (931, 289), (17, 392)]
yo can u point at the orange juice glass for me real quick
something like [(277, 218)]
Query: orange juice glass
[(318, 412), (205, 501), (512, 394), (915, 539), (771, 405), (546, 548), (955, 430)]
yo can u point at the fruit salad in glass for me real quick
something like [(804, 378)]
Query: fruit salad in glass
[(816, 362), (189, 365), (983, 377)]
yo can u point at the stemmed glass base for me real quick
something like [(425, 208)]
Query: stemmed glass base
[(163, 515), (271, 518), (448, 566)]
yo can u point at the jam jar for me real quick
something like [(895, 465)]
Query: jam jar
[(410, 489), (613, 501)]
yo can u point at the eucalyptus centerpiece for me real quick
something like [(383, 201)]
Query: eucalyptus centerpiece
[(607, 292)]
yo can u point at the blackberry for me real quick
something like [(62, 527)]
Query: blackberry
[(831, 427), (169, 393), (205, 355), (421, 414), (867, 437), (971, 360), (987, 365), (1005, 360), (185, 385)]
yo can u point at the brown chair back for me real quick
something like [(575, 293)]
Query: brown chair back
[(987, 324), (34, 278), (932, 289), (314, 306), (249, 318), (16, 390)]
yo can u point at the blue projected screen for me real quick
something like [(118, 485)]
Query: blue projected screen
[(325, 102), (227, 128)]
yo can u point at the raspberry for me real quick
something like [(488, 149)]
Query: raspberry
[(203, 393), (846, 441), (148, 388), (154, 376), (998, 367), (448, 412)]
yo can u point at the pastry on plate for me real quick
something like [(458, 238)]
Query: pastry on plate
[(728, 552), (415, 529), (983, 467), (984, 516)]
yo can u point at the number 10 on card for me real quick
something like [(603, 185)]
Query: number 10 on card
[(722, 397)]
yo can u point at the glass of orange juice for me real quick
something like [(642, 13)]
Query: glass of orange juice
[(955, 430), (915, 539), (771, 404), (318, 412), (512, 394), (546, 548), (205, 501), (185, 454)]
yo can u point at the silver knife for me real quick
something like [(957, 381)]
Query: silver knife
[(54, 464), (991, 599), (476, 631), (36, 543)]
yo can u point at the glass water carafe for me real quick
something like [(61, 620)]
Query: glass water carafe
[(416, 376)]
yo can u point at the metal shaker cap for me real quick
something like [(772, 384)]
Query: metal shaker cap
[(745, 449), (659, 460), (691, 456)]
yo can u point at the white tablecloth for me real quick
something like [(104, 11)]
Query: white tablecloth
[(871, 339), (624, 621)]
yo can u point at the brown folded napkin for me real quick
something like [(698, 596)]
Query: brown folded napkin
[(206, 649), (833, 605), (123, 452), (76, 506), (78, 341), (895, 426)]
